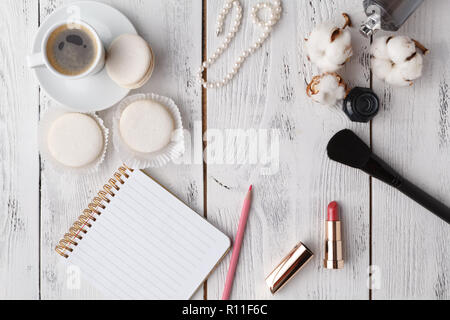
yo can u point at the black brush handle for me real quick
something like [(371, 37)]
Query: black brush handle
[(379, 169), (425, 200)]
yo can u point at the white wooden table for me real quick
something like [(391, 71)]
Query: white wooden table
[(408, 247)]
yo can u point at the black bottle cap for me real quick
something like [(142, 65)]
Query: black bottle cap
[(361, 105)]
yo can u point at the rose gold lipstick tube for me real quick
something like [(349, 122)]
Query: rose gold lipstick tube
[(288, 268), (333, 243)]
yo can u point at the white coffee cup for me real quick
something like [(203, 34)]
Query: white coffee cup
[(40, 59)]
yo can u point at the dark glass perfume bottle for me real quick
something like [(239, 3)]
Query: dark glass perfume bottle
[(388, 15)]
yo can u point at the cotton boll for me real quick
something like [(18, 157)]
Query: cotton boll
[(397, 60), (379, 48), (400, 48), (316, 42), (327, 89), (340, 50), (317, 47), (412, 69), (329, 47), (395, 78), (381, 68)]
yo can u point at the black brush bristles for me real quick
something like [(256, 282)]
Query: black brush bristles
[(347, 148)]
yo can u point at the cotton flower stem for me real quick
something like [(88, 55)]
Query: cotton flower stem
[(421, 47), (311, 88), (348, 21)]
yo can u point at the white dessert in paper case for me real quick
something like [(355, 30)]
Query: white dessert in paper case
[(146, 126), (148, 131), (75, 140), (73, 143)]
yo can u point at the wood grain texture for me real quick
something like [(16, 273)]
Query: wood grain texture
[(177, 50), (410, 245), (288, 206), (19, 171)]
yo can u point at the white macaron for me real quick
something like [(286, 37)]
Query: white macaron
[(75, 140), (146, 126), (130, 61)]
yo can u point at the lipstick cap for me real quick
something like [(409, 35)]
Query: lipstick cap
[(288, 268)]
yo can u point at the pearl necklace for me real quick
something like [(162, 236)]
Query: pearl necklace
[(267, 26)]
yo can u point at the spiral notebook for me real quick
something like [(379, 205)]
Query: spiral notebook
[(138, 241)]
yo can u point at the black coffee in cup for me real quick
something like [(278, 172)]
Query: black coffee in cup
[(71, 49)]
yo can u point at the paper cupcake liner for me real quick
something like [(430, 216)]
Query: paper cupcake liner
[(138, 160), (44, 125)]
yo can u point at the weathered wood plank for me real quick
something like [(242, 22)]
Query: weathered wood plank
[(19, 172), (410, 245), (173, 29), (289, 206)]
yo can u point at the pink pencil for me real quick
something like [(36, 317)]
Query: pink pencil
[(237, 245)]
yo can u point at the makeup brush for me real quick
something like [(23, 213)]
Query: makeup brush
[(347, 148)]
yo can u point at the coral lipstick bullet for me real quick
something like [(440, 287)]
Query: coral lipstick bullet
[(333, 211), (333, 240)]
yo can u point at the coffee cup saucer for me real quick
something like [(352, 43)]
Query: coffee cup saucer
[(97, 92)]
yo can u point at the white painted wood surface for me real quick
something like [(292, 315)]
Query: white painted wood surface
[(411, 251), (409, 246), (19, 172), (290, 205)]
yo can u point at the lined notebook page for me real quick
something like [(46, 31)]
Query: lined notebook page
[(147, 244)]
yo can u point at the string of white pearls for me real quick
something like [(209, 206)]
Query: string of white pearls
[(267, 26)]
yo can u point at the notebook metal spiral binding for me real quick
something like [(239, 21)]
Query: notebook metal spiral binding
[(66, 245)]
